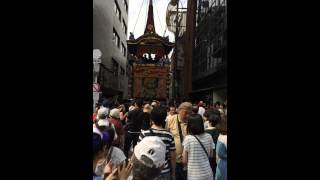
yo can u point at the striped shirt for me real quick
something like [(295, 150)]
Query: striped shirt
[(198, 163), (167, 139)]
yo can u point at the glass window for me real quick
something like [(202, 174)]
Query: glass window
[(122, 49), (117, 10), (116, 38), (124, 26), (125, 4), (115, 67)]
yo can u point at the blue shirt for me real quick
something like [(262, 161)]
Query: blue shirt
[(221, 151), (97, 178)]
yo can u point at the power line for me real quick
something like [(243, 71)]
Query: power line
[(158, 15), (138, 16), (165, 30), (181, 3), (147, 8)]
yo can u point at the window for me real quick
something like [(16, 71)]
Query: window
[(208, 58), (125, 5), (123, 50), (124, 26), (223, 3), (116, 38), (115, 67), (117, 10)]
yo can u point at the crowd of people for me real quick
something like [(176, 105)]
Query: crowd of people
[(149, 59), (149, 140)]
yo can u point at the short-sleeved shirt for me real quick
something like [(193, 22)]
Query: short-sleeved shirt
[(172, 126), (201, 111), (167, 139), (198, 163)]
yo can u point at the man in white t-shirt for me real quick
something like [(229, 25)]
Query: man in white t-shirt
[(201, 108)]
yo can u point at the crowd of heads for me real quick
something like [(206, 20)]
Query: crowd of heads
[(147, 159)]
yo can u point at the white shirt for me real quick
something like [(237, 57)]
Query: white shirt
[(201, 111)]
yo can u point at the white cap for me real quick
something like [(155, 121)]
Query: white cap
[(103, 111), (106, 123), (153, 148), (103, 122), (153, 104), (115, 113)]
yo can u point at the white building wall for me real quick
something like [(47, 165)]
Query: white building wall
[(104, 20)]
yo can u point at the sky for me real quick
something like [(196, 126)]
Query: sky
[(159, 14)]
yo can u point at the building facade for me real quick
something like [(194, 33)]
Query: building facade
[(209, 63), (110, 28)]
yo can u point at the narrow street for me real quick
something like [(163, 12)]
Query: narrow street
[(160, 70)]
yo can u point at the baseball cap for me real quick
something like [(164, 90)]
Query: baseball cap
[(115, 113), (103, 112), (153, 104), (153, 148), (103, 122)]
